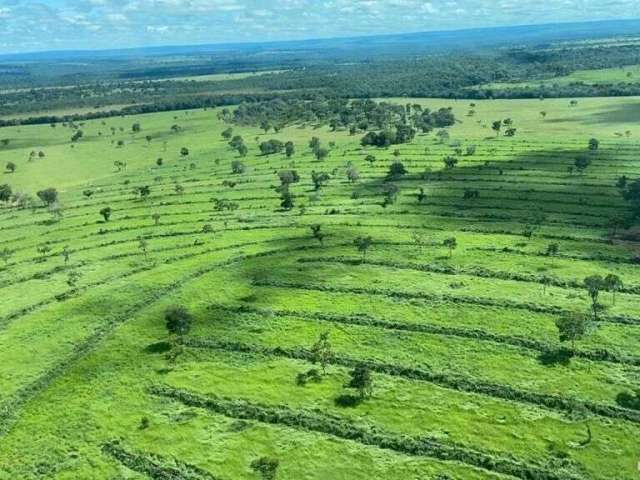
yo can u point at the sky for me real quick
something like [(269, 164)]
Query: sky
[(34, 25)]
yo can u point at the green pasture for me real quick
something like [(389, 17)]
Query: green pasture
[(460, 342)]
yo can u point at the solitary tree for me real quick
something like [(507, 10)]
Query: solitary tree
[(362, 244), (594, 284), (552, 249), (156, 218), (5, 192), (178, 320), (321, 153), (352, 174), (66, 253), (106, 213), (449, 162), (451, 243), (143, 245), (362, 381), (613, 283), (319, 179), (572, 327), (5, 254), (267, 467), (496, 127), (48, 195), (582, 162), (289, 149), (594, 144), (43, 249), (73, 277), (11, 167), (322, 352), (316, 231)]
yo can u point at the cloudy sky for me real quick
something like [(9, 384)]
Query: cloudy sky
[(27, 25)]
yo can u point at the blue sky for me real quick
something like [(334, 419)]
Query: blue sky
[(28, 25)]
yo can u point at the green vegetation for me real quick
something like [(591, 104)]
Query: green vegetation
[(277, 299)]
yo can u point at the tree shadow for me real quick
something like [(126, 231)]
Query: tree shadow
[(560, 356)]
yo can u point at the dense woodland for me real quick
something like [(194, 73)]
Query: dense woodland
[(454, 75)]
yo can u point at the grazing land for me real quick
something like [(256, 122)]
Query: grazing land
[(445, 291)]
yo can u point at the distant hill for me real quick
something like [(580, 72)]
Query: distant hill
[(406, 43)]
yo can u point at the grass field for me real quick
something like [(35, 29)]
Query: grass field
[(603, 76), (463, 386)]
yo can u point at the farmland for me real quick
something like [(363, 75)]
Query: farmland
[(469, 377)]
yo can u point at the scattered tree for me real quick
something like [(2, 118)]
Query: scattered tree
[(106, 213), (363, 243), (451, 243)]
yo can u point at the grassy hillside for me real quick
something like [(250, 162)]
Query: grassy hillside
[(462, 344)]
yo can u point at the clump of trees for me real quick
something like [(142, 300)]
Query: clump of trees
[(271, 147)]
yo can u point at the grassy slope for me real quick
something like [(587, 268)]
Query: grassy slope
[(74, 400)]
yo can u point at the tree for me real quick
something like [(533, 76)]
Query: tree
[(5, 192), (73, 277), (571, 327), (106, 213), (226, 134), (143, 245), (361, 380), (582, 162), (286, 199), (10, 167), (156, 218), (594, 284), (178, 320), (144, 191), (43, 249), (289, 149), (48, 195), (321, 153), (370, 159), (271, 146), (77, 136), (316, 232), (136, 128), (543, 114), (159, 162), (287, 177), (242, 150), (321, 351), (396, 170), (362, 244), (390, 192), (319, 179), (5, 255), (267, 467), (66, 253), (496, 127), (422, 195), (594, 144), (613, 283), (352, 174), (552, 249), (237, 167), (314, 143), (451, 243), (184, 152), (450, 162)]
